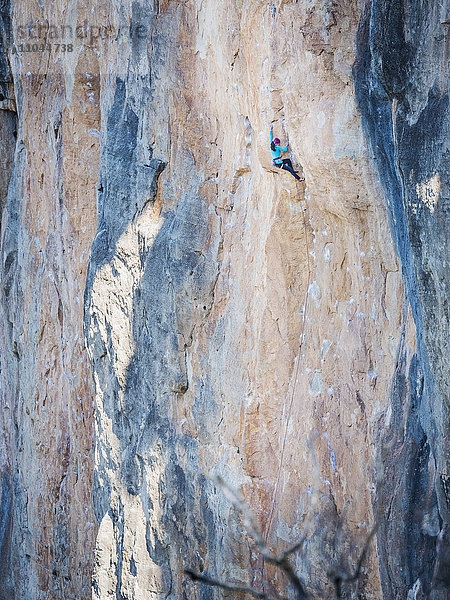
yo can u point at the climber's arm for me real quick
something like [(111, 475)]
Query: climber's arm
[(283, 149)]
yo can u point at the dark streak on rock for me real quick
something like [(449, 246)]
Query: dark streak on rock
[(402, 94)]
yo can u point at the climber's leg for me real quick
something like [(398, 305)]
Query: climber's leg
[(287, 166)]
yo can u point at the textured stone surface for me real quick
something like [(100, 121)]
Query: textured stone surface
[(230, 314), (48, 223), (402, 88)]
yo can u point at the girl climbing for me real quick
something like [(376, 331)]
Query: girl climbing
[(281, 163)]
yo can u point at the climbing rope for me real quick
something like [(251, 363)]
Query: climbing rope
[(294, 386)]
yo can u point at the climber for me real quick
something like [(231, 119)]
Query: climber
[(281, 163)]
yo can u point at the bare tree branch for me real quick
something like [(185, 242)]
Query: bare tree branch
[(337, 576), (363, 553), (249, 523), (230, 587), (340, 577), (294, 548)]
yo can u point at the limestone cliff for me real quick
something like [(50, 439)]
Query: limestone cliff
[(175, 307)]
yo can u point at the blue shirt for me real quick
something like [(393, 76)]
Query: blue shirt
[(276, 154)]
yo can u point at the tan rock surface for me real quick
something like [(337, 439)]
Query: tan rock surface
[(231, 315)]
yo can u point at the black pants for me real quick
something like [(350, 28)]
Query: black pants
[(287, 166)]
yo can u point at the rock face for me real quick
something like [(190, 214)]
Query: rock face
[(289, 337)]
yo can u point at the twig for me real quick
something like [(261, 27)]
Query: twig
[(298, 584), (230, 587), (249, 522), (339, 578), (295, 547), (363, 554)]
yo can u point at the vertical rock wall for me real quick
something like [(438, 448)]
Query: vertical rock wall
[(401, 81), (8, 130), (48, 223), (230, 313)]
